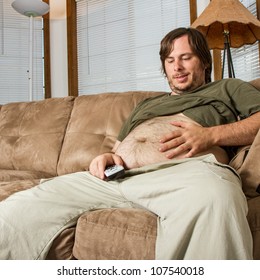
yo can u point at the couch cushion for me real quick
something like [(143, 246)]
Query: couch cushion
[(62, 246), (254, 223), (110, 234), (94, 125), (8, 188), (14, 175), (247, 163), (31, 134)]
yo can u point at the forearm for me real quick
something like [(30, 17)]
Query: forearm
[(236, 134)]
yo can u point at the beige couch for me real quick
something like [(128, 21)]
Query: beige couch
[(57, 136)]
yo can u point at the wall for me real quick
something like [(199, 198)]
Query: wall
[(58, 53)]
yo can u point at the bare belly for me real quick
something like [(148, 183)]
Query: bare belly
[(141, 146)]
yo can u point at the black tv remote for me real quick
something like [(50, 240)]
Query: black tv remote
[(114, 172)]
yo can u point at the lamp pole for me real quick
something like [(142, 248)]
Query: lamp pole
[(231, 72), (31, 9), (30, 71)]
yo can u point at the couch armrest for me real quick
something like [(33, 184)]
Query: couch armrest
[(247, 164)]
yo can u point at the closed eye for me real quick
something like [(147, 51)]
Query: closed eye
[(186, 57), (170, 60)]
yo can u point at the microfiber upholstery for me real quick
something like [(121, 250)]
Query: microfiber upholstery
[(8, 188), (16, 175), (254, 223), (247, 164), (116, 234), (31, 134)]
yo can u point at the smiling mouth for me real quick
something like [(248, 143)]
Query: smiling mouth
[(181, 78)]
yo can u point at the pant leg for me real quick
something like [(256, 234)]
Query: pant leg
[(31, 219), (201, 208)]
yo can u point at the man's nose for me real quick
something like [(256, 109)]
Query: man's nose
[(177, 64)]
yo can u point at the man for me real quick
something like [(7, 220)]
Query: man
[(187, 68), (172, 150)]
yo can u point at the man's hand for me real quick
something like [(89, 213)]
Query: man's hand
[(190, 139), (187, 140), (99, 164)]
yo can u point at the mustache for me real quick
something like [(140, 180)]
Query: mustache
[(179, 75)]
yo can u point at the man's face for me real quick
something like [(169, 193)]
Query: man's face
[(184, 70)]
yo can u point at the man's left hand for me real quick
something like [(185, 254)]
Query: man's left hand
[(187, 140)]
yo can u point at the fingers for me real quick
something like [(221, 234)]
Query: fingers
[(179, 123), (97, 167), (170, 142), (117, 160), (170, 137), (99, 164), (182, 151), (174, 134), (184, 141)]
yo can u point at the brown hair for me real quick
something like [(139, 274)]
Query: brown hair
[(198, 45)]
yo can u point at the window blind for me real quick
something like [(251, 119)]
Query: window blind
[(14, 56), (119, 41), (246, 59)]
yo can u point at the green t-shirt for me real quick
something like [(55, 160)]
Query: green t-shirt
[(216, 103)]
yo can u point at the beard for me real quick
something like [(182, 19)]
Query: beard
[(181, 88)]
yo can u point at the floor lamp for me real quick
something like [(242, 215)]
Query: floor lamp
[(31, 9), (225, 24)]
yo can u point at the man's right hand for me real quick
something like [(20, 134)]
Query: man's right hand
[(99, 164)]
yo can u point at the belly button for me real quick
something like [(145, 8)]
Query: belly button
[(140, 139)]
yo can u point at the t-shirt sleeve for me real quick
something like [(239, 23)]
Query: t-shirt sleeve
[(245, 98)]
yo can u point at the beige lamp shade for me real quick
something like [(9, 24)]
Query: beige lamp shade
[(231, 16)]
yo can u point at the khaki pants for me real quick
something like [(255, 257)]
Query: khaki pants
[(200, 206)]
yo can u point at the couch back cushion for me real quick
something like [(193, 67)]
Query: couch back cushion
[(94, 125), (32, 133)]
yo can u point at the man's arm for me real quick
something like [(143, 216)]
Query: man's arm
[(194, 139), (99, 163)]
